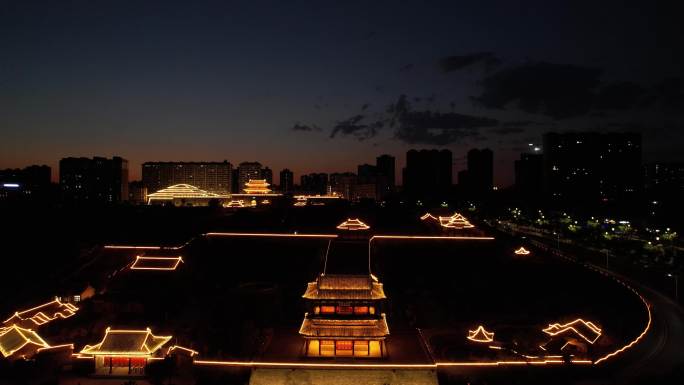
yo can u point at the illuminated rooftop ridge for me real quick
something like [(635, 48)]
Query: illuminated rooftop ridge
[(14, 338), (480, 335), (353, 225), (181, 191), (585, 329), (127, 343), (522, 251), (257, 186), (42, 314)]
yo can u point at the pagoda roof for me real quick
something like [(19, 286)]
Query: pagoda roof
[(257, 186), (182, 191), (480, 335), (156, 263), (127, 342), (41, 314), (345, 287), (342, 328), (14, 338)]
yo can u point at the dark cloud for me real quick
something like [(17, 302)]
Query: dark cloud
[(455, 63), (305, 127), (406, 67), (556, 90), (365, 106), (507, 130), (670, 94), (433, 127), (620, 96), (355, 127), (519, 123)]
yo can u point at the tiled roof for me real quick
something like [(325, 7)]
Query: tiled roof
[(13, 338), (127, 342), (343, 287), (41, 314), (316, 327)]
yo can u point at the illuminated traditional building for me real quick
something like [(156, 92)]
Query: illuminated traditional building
[(456, 221), (353, 225), (235, 204), (184, 195), (480, 335), (522, 251), (42, 314), (587, 330), (17, 342), (125, 352), (257, 187), (344, 317), (246, 172)]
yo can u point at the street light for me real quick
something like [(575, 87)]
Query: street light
[(676, 279)]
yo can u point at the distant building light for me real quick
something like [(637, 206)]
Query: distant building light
[(537, 149), (10, 185)]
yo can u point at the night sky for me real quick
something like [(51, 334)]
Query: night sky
[(324, 86)]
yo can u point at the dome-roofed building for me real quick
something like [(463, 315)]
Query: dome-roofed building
[(185, 195)]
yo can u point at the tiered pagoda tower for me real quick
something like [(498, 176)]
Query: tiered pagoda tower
[(344, 317)]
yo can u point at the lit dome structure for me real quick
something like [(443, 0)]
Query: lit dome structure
[(184, 194)]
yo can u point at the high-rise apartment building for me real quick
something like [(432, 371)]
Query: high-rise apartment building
[(267, 174), (286, 181), (96, 180), (592, 166), (316, 183), (248, 171), (428, 173), (209, 176), (385, 173)]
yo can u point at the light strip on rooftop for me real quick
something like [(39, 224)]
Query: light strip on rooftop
[(276, 235)]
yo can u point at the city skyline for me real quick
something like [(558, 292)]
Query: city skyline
[(303, 86)]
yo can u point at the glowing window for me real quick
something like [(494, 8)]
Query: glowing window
[(375, 349), (345, 310), (344, 348), (327, 348), (328, 309), (361, 348), (313, 348), (317, 309), (360, 309), (371, 310)]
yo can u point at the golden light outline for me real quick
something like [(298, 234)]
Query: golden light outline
[(40, 318), (480, 335), (353, 225), (27, 340), (139, 258), (383, 366), (281, 235), (522, 251), (91, 349), (178, 347), (556, 329)]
